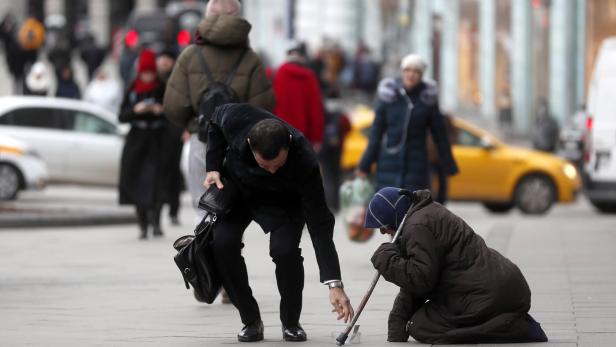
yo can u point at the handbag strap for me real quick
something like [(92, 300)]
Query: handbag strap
[(199, 229)]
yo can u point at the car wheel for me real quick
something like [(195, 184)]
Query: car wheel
[(604, 207), (9, 182), (535, 194), (498, 207)]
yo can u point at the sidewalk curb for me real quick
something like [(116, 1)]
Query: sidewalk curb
[(69, 219)]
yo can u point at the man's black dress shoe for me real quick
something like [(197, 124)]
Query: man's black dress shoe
[(295, 333), (251, 332)]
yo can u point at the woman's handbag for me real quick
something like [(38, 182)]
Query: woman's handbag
[(195, 258)]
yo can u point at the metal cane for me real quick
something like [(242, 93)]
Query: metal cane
[(341, 339)]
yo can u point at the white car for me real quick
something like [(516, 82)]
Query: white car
[(80, 142), (20, 168), (601, 123)]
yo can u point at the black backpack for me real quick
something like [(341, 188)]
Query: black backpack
[(217, 93)]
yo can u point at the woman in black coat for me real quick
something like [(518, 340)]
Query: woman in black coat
[(453, 288), (145, 158), (405, 111)]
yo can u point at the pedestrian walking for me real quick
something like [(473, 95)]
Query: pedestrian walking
[(104, 90), (365, 70), (277, 173), (128, 58), (406, 110), (144, 162), (31, 38), (337, 126), (453, 288), (164, 65), (222, 39), (67, 88), (546, 129), (505, 115), (436, 165), (91, 54), (13, 53), (298, 95), (38, 80)]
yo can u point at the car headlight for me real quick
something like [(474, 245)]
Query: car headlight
[(570, 171), (11, 150)]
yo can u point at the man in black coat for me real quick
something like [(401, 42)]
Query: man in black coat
[(453, 288), (278, 175)]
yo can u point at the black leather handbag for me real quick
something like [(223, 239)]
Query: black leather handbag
[(219, 201), (194, 258), (196, 262)]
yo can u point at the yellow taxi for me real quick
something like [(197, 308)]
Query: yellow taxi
[(494, 173)]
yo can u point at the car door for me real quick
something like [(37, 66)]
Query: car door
[(96, 150), (483, 169), (41, 129)]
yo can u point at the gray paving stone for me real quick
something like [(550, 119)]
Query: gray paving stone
[(99, 286)]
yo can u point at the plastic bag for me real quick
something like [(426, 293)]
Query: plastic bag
[(354, 198)]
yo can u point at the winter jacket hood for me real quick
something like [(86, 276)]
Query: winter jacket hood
[(223, 30), (390, 89)]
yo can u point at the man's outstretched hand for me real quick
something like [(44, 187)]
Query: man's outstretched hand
[(341, 303), (213, 177)]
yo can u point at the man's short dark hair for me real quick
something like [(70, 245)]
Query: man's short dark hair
[(268, 137)]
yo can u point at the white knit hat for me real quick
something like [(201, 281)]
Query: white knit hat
[(415, 62), (228, 7)]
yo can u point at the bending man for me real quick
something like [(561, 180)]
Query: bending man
[(278, 175)]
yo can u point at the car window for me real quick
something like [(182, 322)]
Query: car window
[(466, 138), (37, 117), (85, 122)]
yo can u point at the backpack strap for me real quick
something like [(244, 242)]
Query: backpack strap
[(204, 66), (236, 66)]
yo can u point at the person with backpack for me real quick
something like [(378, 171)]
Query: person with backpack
[(217, 69), (31, 38)]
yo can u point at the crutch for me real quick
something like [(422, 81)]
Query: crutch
[(341, 339)]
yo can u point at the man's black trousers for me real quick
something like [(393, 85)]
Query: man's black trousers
[(285, 253)]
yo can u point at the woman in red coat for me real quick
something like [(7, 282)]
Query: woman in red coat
[(298, 96)]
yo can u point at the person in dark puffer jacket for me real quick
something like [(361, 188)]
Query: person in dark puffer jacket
[(453, 288), (405, 111)]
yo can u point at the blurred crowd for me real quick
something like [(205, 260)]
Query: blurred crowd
[(27, 44)]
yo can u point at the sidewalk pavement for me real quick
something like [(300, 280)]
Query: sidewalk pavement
[(99, 286)]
